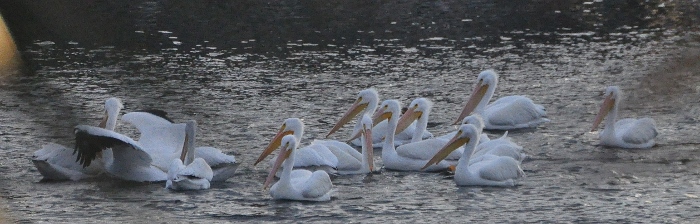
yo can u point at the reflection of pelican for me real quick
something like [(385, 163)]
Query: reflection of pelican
[(390, 110), (366, 103), (297, 184), (495, 171), (509, 112), (193, 174), (56, 162), (625, 133), (163, 140)]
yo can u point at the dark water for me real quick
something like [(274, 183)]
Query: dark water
[(240, 68)]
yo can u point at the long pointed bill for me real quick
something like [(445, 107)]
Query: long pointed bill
[(184, 149), (103, 123), (452, 145), (284, 154), (354, 110), (474, 100), (370, 148), (379, 116), (274, 144), (407, 118), (608, 104)]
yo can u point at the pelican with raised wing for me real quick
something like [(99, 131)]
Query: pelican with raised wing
[(57, 162), (495, 171), (297, 184), (625, 133), (163, 141), (506, 113)]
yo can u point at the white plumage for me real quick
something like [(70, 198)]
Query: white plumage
[(625, 133), (188, 172), (389, 110), (299, 184), (57, 162), (506, 113), (494, 171)]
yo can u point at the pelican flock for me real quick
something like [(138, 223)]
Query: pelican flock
[(165, 150)]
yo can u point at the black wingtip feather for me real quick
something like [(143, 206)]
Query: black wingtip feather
[(88, 145)]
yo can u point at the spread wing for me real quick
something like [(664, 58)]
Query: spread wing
[(89, 141), (318, 184), (158, 134)]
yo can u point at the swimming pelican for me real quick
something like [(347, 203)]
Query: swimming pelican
[(366, 103), (313, 156), (419, 110), (194, 173), (506, 113), (366, 163), (163, 141), (57, 162), (390, 110), (297, 184), (496, 171), (625, 133)]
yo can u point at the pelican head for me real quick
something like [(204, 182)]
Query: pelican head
[(466, 134), (366, 101), (612, 98), (415, 111), (291, 126), (388, 110), (112, 107), (474, 119), (485, 86), (288, 144)]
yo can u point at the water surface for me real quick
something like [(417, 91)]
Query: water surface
[(241, 69)]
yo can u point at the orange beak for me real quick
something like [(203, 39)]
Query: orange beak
[(274, 144), (474, 100), (354, 110), (284, 154), (407, 118), (608, 104), (452, 145)]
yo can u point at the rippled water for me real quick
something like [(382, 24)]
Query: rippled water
[(239, 96)]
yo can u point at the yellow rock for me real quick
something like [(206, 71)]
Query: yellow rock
[(10, 59)]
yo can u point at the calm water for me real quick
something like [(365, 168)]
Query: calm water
[(240, 69)]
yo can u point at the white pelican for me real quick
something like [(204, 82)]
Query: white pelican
[(366, 163), (496, 171), (425, 149), (297, 184), (57, 162), (163, 141), (625, 133), (314, 156), (506, 113), (366, 103), (194, 173), (390, 110)]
